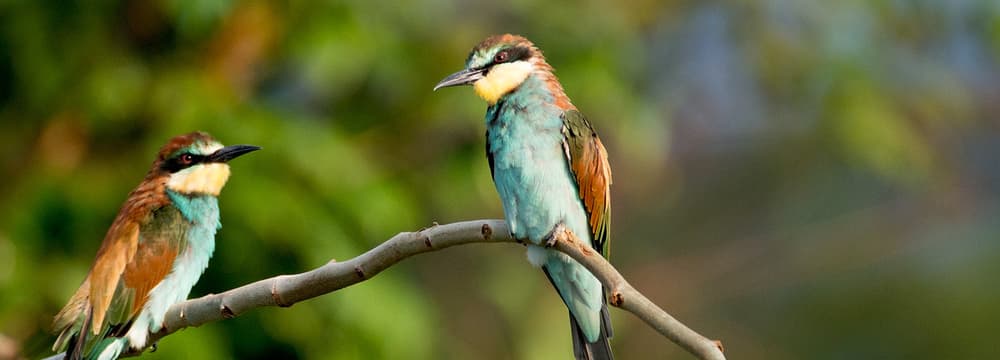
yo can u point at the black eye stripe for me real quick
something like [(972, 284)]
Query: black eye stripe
[(515, 53), (177, 163)]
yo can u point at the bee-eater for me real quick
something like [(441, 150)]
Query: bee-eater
[(154, 252), (550, 169)]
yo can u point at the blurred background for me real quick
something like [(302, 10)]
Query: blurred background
[(800, 179)]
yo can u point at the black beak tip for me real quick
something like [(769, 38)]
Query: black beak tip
[(234, 151)]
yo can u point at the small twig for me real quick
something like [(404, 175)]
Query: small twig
[(286, 290)]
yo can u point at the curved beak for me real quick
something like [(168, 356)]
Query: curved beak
[(464, 77), (230, 152)]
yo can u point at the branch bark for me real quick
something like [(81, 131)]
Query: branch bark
[(286, 290)]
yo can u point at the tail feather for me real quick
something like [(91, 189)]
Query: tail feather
[(597, 350), (80, 344), (77, 342), (107, 349), (600, 349), (72, 323)]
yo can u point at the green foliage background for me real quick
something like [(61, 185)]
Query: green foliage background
[(801, 179)]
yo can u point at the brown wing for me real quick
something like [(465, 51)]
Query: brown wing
[(132, 260), (137, 253), (589, 163), (116, 252)]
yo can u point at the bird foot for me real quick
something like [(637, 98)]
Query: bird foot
[(553, 237), (152, 348)]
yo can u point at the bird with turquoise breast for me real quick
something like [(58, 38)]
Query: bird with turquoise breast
[(550, 169), (153, 253)]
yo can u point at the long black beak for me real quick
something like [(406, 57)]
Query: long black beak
[(230, 152), (463, 77)]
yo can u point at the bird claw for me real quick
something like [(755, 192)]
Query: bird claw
[(553, 237), (152, 348)]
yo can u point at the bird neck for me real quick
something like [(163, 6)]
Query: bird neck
[(196, 208), (534, 108), (541, 88)]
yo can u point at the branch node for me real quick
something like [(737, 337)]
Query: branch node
[(586, 250), (427, 241), (433, 224), (226, 311), (616, 299), (487, 232), (276, 295), (358, 270), (718, 344)]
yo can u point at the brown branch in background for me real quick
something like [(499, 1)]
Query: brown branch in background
[(286, 290)]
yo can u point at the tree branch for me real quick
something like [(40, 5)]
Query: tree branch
[(285, 290), (622, 295)]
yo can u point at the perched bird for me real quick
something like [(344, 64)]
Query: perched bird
[(550, 170), (154, 252)]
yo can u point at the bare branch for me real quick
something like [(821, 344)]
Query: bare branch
[(622, 295), (286, 290)]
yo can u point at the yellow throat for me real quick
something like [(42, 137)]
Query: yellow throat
[(205, 179), (502, 79)]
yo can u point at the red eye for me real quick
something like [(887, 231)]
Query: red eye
[(500, 57), (186, 159)]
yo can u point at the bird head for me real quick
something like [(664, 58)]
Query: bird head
[(498, 65), (196, 163)]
